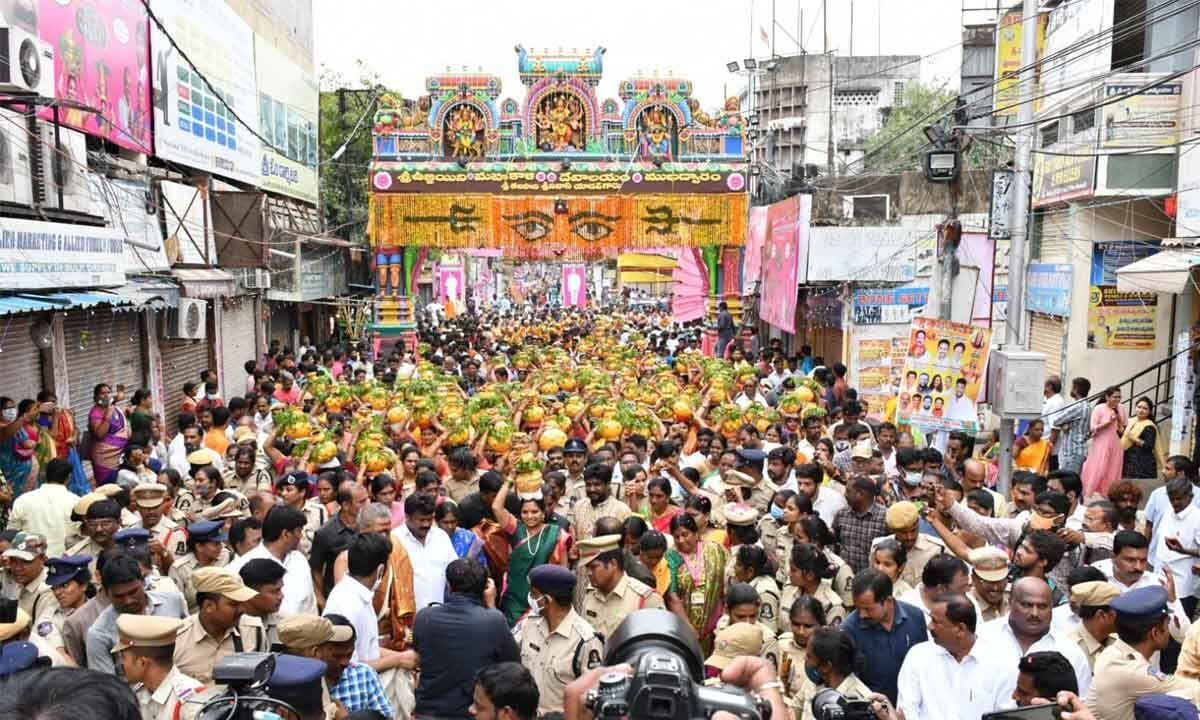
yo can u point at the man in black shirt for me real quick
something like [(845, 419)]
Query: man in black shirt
[(335, 535), (457, 639)]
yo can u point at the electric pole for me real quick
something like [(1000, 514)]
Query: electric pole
[(1019, 220)]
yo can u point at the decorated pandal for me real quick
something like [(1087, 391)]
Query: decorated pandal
[(561, 174)]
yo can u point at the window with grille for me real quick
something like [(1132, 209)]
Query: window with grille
[(1049, 134), (898, 93), (859, 98)]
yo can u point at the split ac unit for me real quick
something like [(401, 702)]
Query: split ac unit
[(65, 166), (187, 322), (26, 63), (16, 186), (256, 279)]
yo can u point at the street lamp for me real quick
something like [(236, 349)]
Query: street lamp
[(732, 66), (750, 64)]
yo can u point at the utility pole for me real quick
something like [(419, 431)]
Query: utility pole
[(832, 83), (1020, 220), (851, 28)]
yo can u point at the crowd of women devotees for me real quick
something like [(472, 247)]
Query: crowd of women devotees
[(594, 465)]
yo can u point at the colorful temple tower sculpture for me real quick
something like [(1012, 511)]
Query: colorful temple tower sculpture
[(559, 175)]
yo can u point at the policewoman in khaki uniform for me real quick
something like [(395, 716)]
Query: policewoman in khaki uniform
[(145, 647), (557, 645), (218, 628), (829, 662), (1123, 671), (205, 548), (68, 577), (611, 594)]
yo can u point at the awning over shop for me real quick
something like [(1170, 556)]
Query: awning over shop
[(1167, 271), (29, 302), (204, 282), (645, 268)]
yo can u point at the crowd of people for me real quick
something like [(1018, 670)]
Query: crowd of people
[(455, 532)]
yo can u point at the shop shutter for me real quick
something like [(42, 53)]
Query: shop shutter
[(20, 359), (1056, 236), (103, 347), (1047, 334), (182, 361), (237, 344)]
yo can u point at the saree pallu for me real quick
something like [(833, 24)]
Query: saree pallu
[(548, 546), (703, 595), (107, 451)]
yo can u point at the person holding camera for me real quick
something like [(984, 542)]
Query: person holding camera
[(145, 649), (832, 661)]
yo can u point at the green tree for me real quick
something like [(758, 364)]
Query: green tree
[(344, 184), (899, 144)]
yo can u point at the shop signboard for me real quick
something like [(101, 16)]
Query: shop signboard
[(886, 306), (53, 256), (1048, 289)]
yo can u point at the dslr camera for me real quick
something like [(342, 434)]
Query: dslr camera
[(829, 704), (668, 675), (245, 676)]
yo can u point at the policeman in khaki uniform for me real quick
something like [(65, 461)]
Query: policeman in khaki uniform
[(557, 645), (101, 521), (205, 544), (1095, 632), (903, 519), (1123, 672), (151, 502), (737, 515), (26, 575), (218, 628), (611, 594), (989, 579), (734, 641), (145, 647)]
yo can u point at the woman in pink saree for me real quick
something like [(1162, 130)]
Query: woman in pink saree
[(110, 434), (1102, 469)]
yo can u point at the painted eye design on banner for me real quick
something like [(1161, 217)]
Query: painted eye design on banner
[(593, 226), (531, 226)]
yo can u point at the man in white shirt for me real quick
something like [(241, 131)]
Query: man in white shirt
[(1027, 630), (1128, 569), (826, 501), (961, 407), (1178, 535), (46, 511), (429, 548), (1053, 402), (351, 598), (954, 677), (187, 441), (283, 528), (942, 574)]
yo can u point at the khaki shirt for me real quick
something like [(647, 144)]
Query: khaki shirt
[(1090, 646), (770, 645), (830, 601), (922, 551), (457, 490), (584, 515), (49, 628), (605, 611), (987, 612), (260, 480), (770, 534), (317, 516), (189, 505), (176, 689), (791, 665), (768, 596), (36, 597), (172, 537), (557, 658), (851, 688), (1122, 675), (181, 574), (197, 652), (88, 546)]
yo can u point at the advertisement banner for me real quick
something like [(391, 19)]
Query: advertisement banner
[(863, 254), (1058, 178), (1048, 289), (574, 286), (101, 60), (1109, 257), (1120, 320), (450, 284), (1183, 387), (887, 306), (879, 366), (945, 366), (287, 118), (193, 125), (1010, 36), (1150, 118), (756, 242), (782, 263), (52, 256)]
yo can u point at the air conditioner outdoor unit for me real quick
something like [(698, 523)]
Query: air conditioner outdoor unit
[(16, 185), (187, 322), (257, 279), (26, 63), (64, 165)]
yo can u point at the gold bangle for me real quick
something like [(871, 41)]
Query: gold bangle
[(772, 685)]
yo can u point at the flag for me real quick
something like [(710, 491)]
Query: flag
[(762, 33)]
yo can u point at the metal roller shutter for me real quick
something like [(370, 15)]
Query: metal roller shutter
[(103, 347), (1047, 334), (20, 359), (237, 343), (1056, 236), (182, 361)]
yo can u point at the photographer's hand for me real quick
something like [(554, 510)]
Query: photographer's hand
[(883, 708), (575, 693), (757, 675)]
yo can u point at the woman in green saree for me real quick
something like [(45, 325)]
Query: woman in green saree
[(534, 542), (697, 570)]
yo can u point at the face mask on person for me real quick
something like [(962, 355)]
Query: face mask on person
[(912, 478), (213, 396), (840, 445), (535, 609), (812, 674), (776, 512), (9, 414)]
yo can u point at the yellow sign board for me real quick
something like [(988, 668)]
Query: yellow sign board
[(1010, 36)]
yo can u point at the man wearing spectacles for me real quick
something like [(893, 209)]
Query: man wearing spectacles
[(101, 521)]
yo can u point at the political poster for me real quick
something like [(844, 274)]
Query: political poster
[(574, 286), (878, 368), (1120, 320), (783, 261), (944, 369)]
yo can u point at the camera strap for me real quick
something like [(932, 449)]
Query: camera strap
[(237, 641)]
